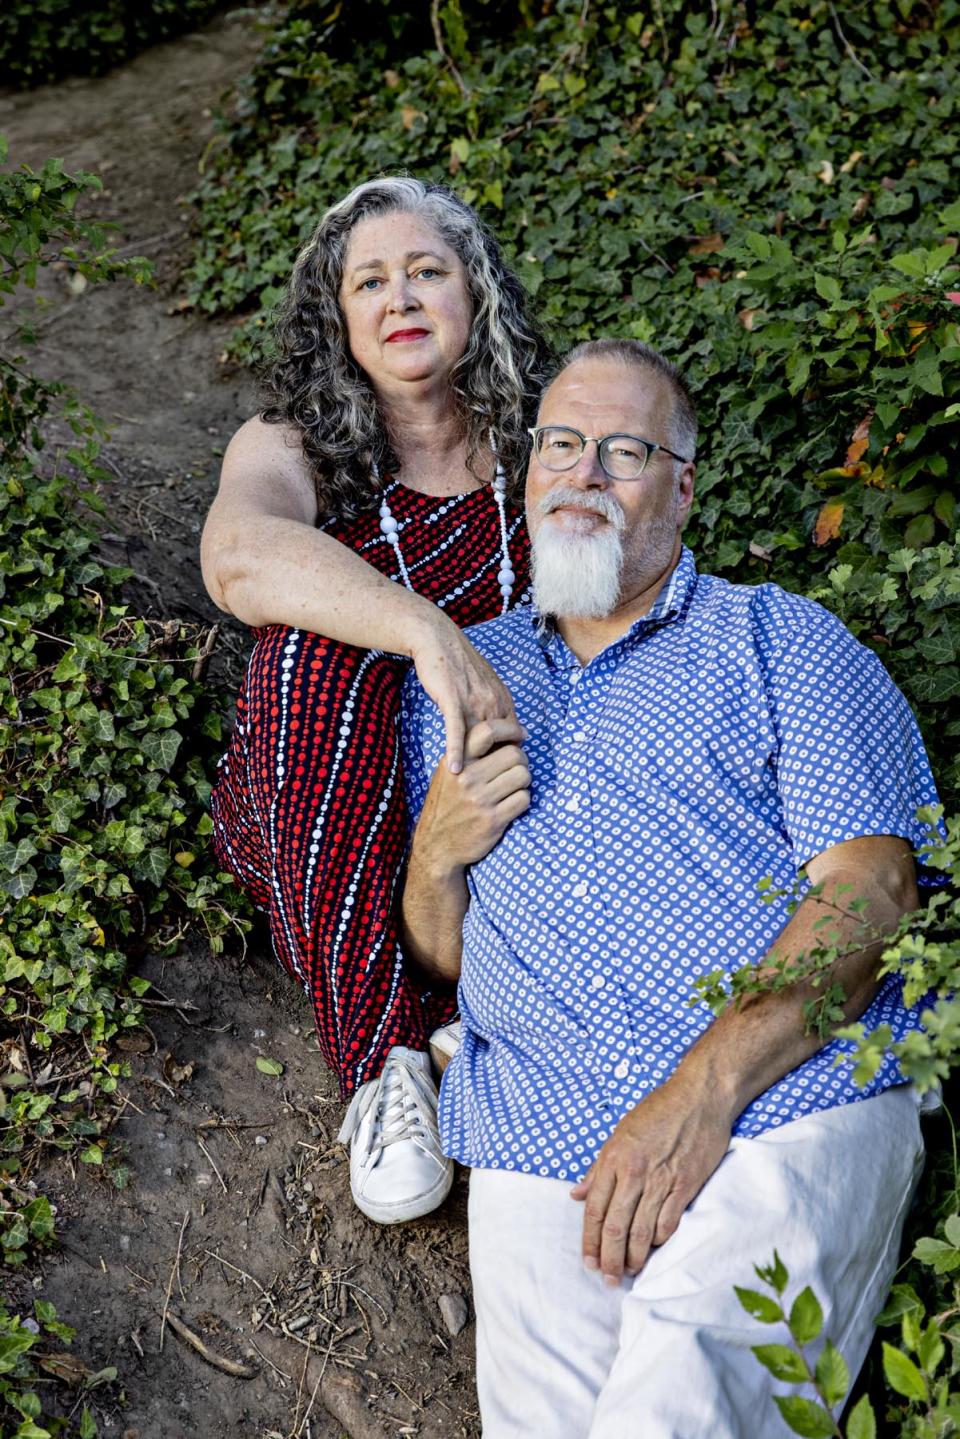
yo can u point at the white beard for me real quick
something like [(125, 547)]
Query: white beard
[(577, 576)]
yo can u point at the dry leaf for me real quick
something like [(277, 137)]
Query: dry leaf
[(860, 206), (134, 1044), (825, 173), (759, 552), (174, 1072), (703, 277), (391, 79), (748, 317), (408, 114), (66, 1367), (851, 163), (706, 244), (859, 440), (828, 523)]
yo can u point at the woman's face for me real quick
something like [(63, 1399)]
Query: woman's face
[(406, 304)]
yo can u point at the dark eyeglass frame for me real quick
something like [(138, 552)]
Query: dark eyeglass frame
[(650, 446)]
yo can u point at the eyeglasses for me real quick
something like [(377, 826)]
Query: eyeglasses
[(622, 457)]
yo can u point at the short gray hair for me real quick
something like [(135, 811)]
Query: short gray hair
[(683, 419)]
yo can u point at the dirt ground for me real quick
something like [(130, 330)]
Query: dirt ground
[(237, 1221)]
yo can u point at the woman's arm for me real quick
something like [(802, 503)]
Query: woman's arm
[(264, 560)]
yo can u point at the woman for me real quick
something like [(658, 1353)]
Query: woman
[(360, 521)]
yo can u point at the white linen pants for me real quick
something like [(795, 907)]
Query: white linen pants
[(666, 1355)]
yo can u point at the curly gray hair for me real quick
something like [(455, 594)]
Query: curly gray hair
[(315, 384)]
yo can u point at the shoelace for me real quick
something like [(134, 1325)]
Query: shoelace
[(401, 1095)]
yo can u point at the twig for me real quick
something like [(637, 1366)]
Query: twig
[(200, 663), (214, 1164), (303, 1422), (267, 1360), (26, 1057), (220, 1260), (668, 267), (151, 240), (438, 40), (846, 43), (174, 1271), (227, 1366)]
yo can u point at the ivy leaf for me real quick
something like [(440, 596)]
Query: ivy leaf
[(153, 866), (903, 1376), (21, 884), (806, 1317), (269, 1066), (161, 746), (805, 1417)]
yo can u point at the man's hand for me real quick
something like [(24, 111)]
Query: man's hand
[(653, 1165), (465, 814)]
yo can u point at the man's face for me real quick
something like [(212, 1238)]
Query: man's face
[(599, 542)]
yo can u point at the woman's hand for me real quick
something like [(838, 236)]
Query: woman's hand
[(461, 684)]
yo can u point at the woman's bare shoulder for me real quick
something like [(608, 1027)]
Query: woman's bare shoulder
[(264, 463)]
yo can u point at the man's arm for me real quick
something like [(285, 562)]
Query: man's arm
[(662, 1153), (463, 817)]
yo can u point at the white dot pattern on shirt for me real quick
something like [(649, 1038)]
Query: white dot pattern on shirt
[(733, 734)]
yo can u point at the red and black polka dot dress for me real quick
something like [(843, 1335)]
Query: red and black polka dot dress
[(308, 808)]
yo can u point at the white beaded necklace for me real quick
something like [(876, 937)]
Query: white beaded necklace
[(390, 530)]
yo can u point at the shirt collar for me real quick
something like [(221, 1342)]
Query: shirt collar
[(669, 604)]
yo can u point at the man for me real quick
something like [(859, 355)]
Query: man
[(684, 739)]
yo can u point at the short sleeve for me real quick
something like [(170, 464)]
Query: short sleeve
[(850, 760), (422, 741)]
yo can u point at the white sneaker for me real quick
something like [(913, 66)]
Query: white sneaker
[(397, 1170), (444, 1043)]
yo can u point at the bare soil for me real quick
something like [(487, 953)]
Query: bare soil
[(237, 1224)]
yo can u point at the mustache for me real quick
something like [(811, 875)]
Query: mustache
[(573, 499)]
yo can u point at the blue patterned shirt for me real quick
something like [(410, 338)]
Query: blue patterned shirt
[(732, 734)]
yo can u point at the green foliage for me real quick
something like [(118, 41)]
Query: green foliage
[(738, 197), (803, 1322), (103, 807), (24, 1365), (773, 205), (43, 40)]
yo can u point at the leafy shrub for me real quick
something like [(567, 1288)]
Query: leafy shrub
[(22, 1367), (735, 195), (102, 803), (43, 40), (766, 194)]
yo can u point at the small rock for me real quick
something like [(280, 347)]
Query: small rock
[(260, 1139), (204, 1180), (453, 1307), (124, 1242)]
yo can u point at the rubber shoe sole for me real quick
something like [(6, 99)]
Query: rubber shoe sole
[(399, 1213), (444, 1045)]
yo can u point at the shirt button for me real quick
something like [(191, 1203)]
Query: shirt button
[(579, 890), (580, 735), (598, 982), (574, 675), (573, 804), (622, 1069)]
